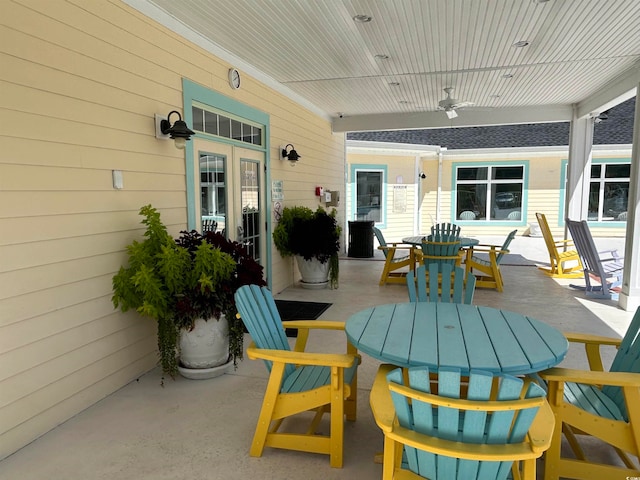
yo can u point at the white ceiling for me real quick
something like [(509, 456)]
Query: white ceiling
[(582, 53)]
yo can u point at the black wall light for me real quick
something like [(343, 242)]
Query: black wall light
[(290, 155), (179, 131)]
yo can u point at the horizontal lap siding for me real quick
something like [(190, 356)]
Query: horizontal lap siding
[(79, 85)]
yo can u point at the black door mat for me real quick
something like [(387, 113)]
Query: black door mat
[(295, 310)]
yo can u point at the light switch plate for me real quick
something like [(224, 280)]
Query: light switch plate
[(118, 182)]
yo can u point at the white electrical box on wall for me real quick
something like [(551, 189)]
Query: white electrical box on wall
[(118, 182)]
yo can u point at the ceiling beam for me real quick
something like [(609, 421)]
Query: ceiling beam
[(614, 93), (468, 117)]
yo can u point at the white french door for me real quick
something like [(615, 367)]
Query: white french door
[(231, 199)]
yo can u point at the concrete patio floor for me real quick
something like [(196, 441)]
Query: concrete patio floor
[(202, 429)]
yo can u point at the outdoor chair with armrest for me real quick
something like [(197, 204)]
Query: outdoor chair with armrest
[(559, 258), (603, 405), (399, 259), (299, 381), (449, 427), (487, 271), (605, 267), (442, 250)]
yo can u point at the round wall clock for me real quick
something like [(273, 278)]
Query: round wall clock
[(234, 78)]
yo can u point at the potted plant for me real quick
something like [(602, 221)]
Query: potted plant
[(314, 239), (183, 284)]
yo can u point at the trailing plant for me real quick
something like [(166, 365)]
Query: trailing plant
[(178, 281), (301, 231)]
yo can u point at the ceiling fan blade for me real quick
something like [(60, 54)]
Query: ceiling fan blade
[(462, 104), (451, 113)]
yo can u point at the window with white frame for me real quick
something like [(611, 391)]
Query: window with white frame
[(369, 192), (609, 192), (493, 192)]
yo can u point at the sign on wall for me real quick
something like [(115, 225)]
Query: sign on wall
[(399, 199)]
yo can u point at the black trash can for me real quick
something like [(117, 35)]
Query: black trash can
[(361, 239)]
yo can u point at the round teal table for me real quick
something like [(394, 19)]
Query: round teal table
[(456, 335)]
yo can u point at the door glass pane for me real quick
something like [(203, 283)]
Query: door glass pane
[(213, 193), (249, 235), (369, 195)]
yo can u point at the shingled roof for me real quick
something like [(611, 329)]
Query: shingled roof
[(617, 129)]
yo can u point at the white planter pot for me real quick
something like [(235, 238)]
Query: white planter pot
[(207, 345), (314, 274)]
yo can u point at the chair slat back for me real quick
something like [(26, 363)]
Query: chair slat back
[(585, 246), (461, 423), (445, 251), (381, 240), (505, 246), (627, 359), (260, 315), (445, 232), (546, 232), (440, 283)]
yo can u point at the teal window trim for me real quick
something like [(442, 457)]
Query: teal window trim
[(563, 190), (493, 223), (385, 183), (198, 94)]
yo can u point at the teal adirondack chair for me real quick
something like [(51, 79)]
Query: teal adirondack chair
[(441, 250), (487, 270), (299, 381), (449, 427), (604, 405), (440, 283)]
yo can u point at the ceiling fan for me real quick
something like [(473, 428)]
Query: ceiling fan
[(449, 105)]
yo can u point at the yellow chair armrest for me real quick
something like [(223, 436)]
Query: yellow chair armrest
[(541, 430), (314, 324), (577, 337), (614, 379), (592, 345), (468, 451), (380, 399), (486, 249), (302, 358), (394, 246)]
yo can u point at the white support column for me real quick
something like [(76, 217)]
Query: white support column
[(579, 168), (630, 295)]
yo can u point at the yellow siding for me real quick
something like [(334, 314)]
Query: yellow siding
[(79, 86)]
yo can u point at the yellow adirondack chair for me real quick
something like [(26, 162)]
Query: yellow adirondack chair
[(487, 271), (448, 427), (299, 381), (604, 405), (399, 259), (558, 258)]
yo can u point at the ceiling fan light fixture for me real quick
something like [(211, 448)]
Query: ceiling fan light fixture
[(451, 113)]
